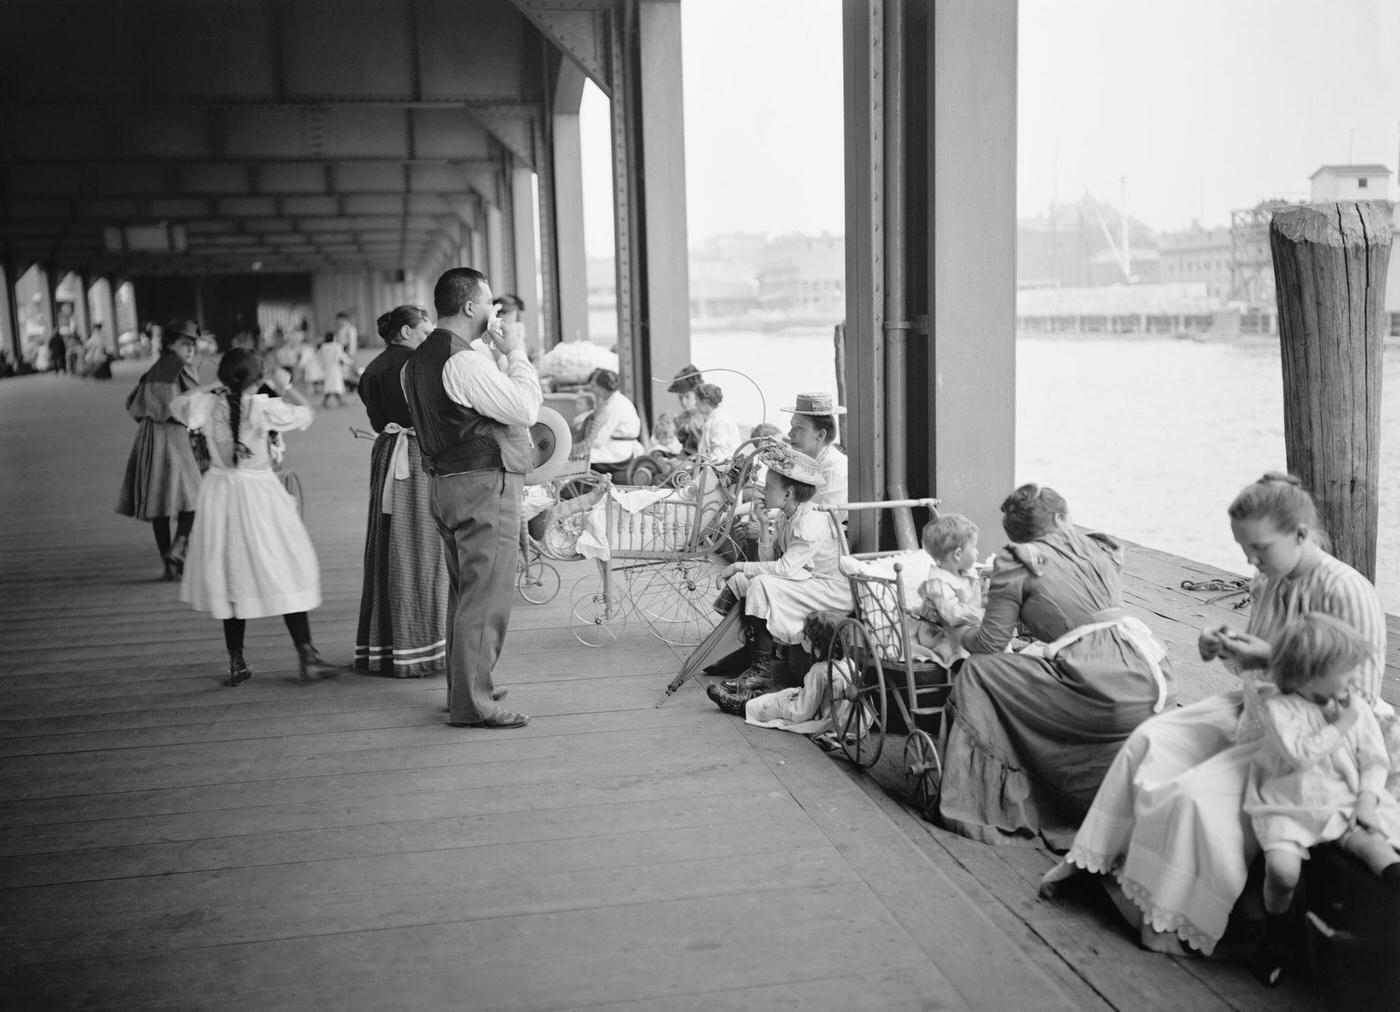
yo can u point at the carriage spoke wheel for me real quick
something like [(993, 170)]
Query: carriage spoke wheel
[(597, 615), (923, 771), (857, 701), (674, 596), (535, 579)]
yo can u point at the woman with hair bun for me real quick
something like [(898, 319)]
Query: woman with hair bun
[(404, 600), (720, 436), (1029, 736), (250, 555), (1167, 827)]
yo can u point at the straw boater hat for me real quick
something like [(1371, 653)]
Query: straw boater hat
[(552, 443), (792, 464), (819, 403)]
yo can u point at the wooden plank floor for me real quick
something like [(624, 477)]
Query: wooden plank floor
[(168, 842)]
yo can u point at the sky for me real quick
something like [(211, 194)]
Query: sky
[(1197, 106)]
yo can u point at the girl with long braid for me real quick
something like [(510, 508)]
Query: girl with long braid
[(250, 555)]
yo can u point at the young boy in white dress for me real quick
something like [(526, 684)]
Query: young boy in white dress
[(952, 594)]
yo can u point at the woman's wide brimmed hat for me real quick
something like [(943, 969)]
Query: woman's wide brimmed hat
[(687, 379), (792, 464), (819, 403), (552, 444)]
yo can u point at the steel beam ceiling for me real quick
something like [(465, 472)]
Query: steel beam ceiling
[(295, 134)]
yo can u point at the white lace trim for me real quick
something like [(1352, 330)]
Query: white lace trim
[(1166, 920), (1092, 862)]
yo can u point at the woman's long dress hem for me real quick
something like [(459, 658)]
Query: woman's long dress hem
[(403, 604)]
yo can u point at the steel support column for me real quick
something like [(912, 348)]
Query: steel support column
[(972, 266), (10, 309), (495, 248), (568, 235), (653, 287), (662, 124), (527, 265), (863, 44)]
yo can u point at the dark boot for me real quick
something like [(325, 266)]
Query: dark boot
[(238, 670), (726, 601), (1270, 959), (733, 703), (732, 664), (311, 666), (759, 677)]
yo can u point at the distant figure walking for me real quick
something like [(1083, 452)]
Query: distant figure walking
[(405, 584), (333, 360), (250, 555), (162, 474), (472, 416)]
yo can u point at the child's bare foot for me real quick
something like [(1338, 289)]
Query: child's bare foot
[(1164, 942)]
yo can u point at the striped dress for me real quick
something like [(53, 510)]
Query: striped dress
[(1169, 819)]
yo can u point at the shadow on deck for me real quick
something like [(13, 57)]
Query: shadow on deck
[(169, 842)]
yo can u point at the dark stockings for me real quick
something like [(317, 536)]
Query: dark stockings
[(161, 527), (298, 624), (184, 523)]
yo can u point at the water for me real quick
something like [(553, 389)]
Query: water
[(1148, 439)]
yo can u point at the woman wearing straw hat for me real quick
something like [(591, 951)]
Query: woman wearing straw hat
[(814, 433), (797, 573), (162, 474)]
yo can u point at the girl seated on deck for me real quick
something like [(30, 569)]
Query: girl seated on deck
[(1319, 774)]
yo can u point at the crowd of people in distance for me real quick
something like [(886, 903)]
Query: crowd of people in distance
[(1062, 724)]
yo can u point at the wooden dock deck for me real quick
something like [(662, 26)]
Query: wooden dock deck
[(171, 843)]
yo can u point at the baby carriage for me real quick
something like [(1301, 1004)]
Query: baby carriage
[(658, 550), (872, 660)]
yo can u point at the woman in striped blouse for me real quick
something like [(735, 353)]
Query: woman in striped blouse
[(1167, 822)]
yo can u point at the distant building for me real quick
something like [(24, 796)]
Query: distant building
[(1350, 182), (1144, 267), (804, 275), (1198, 254)]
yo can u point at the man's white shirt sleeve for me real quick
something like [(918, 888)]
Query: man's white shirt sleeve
[(474, 380)]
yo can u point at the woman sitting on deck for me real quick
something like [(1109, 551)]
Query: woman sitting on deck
[(1168, 825), (1028, 737)]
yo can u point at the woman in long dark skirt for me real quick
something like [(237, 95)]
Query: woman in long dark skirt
[(404, 602)]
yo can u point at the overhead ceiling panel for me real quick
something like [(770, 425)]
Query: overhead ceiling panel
[(250, 125), (347, 48)]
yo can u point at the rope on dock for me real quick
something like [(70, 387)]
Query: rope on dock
[(1222, 589)]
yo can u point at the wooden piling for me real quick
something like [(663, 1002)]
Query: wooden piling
[(1330, 268)]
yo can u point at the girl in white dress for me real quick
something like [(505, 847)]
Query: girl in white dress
[(1320, 772), (333, 362), (798, 572), (249, 554)]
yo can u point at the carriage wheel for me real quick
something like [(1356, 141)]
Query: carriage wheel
[(597, 615), (536, 579), (923, 771), (675, 596), (859, 728)]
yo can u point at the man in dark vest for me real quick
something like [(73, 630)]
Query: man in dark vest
[(472, 414)]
